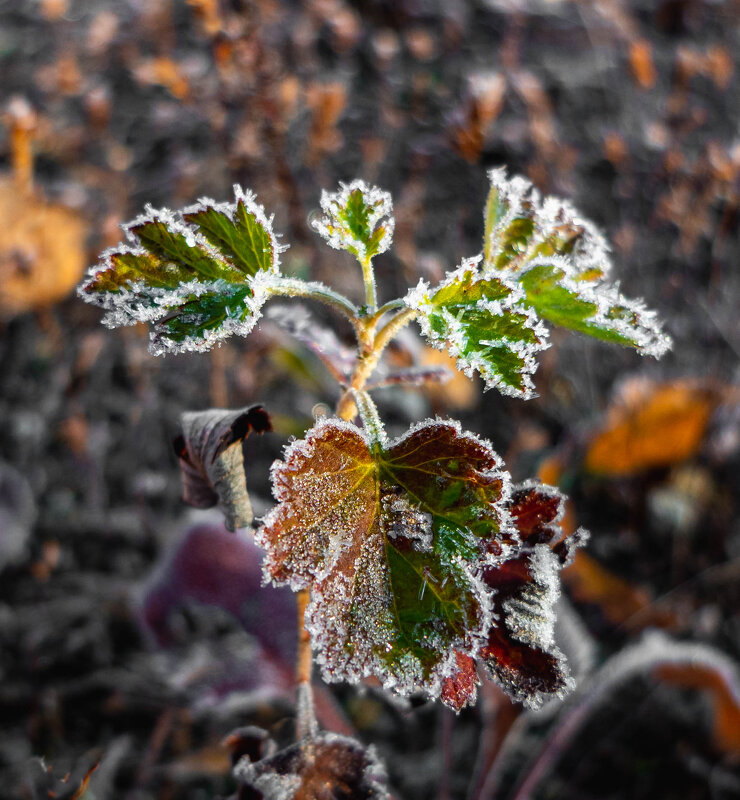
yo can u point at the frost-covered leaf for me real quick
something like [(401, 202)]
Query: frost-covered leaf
[(358, 218), (391, 539), (481, 321), (198, 276), (561, 263), (211, 460), (520, 653), (324, 767)]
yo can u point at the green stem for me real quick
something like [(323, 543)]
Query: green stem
[(391, 305), (294, 287), (390, 330)]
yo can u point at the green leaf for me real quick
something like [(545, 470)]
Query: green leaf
[(561, 262), (358, 218), (241, 236), (607, 316), (197, 276), (389, 537), (519, 225), (164, 241), (481, 322)]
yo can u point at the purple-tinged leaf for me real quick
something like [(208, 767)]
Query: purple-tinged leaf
[(214, 567), (520, 652)]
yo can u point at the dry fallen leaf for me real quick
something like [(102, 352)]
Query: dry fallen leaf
[(42, 245), (641, 64), (651, 425)]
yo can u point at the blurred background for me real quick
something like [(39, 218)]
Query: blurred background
[(132, 632)]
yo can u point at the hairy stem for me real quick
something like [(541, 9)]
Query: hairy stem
[(346, 409), (368, 277), (391, 305), (294, 287)]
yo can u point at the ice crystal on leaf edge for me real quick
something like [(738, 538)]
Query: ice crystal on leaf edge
[(541, 262), (196, 283), (358, 218)]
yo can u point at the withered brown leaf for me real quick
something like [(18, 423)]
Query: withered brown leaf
[(325, 767), (212, 463)]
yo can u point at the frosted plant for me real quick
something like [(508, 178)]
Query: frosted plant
[(417, 562)]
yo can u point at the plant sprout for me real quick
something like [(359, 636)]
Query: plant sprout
[(416, 560)]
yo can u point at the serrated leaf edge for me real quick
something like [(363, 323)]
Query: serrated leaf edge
[(591, 250), (419, 299), (249, 198), (593, 247), (122, 307), (332, 202), (398, 679), (648, 337)]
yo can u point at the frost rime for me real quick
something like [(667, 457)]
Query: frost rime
[(199, 276), (392, 543)]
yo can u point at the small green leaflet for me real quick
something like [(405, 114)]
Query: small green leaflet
[(198, 276), (391, 538), (540, 262), (561, 261), (481, 321), (358, 218)]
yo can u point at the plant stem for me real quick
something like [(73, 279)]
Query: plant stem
[(346, 409), (391, 305), (368, 277), (305, 717), (389, 331), (294, 287)]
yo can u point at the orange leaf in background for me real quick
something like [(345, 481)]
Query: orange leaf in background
[(726, 727), (164, 72), (326, 102), (483, 104), (641, 64), (459, 392), (651, 425), (42, 251), (42, 246)]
